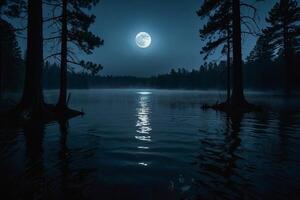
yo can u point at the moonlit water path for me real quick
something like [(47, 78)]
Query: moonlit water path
[(143, 123), (155, 144)]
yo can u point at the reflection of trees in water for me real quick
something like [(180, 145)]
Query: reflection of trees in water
[(31, 181), (286, 127), (42, 178), (228, 169), (218, 162), (64, 158), (286, 156), (67, 178), (34, 182), (280, 129)]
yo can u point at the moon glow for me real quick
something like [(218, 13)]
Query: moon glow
[(143, 40)]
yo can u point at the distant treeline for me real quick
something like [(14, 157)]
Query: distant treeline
[(259, 75), (262, 71)]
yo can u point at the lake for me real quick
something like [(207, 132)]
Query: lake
[(155, 144)]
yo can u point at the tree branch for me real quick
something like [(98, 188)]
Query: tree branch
[(52, 18), (52, 38), (250, 6), (52, 55)]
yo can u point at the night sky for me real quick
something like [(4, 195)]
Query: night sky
[(174, 28)]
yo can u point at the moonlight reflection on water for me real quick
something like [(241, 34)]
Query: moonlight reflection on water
[(134, 144), (143, 114), (143, 122)]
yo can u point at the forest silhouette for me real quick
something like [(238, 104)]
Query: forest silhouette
[(271, 65), (144, 143)]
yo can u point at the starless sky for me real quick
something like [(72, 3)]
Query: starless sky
[(174, 28)]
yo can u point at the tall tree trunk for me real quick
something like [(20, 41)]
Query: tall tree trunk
[(62, 102), (286, 57), (1, 59), (1, 65), (32, 99), (228, 65), (237, 98)]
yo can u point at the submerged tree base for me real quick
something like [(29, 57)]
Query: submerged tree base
[(47, 113), (65, 113), (241, 107)]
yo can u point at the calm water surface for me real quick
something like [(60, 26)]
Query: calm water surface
[(155, 144)]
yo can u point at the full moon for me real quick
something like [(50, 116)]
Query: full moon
[(143, 40)]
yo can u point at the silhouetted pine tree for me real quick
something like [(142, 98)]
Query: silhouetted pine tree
[(8, 9), (262, 51), (260, 63), (284, 32), (218, 30), (75, 24), (237, 98), (209, 7), (11, 60), (32, 103)]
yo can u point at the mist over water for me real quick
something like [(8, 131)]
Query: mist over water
[(155, 144)]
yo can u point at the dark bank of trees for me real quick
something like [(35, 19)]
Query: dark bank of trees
[(11, 62), (277, 50), (74, 25), (10, 54), (273, 63), (261, 73), (230, 23), (282, 35)]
